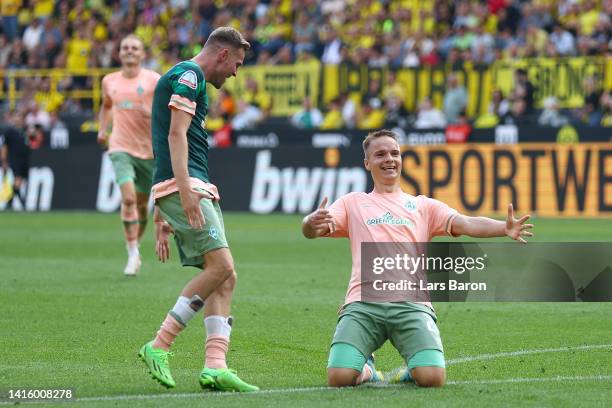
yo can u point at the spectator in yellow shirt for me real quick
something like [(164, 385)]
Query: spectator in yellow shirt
[(43, 9), (9, 10), (333, 118), (258, 98), (372, 115), (78, 50), (49, 100), (588, 18)]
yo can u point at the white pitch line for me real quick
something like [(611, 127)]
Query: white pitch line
[(481, 357), (313, 389), (534, 379)]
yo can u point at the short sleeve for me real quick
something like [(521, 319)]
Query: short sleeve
[(185, 87), (439, 215), (338, 210)]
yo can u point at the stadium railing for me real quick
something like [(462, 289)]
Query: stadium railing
[(9, 81)]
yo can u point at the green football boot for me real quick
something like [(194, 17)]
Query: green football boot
[(224, 379), (157, 363)]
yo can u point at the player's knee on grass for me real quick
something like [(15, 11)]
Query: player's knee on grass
[(428, 368), (344, 365), (341, 377), (429, 376)]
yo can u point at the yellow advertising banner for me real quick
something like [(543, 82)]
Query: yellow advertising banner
[(417, 82), (288, 85), (562, 78), (544, 179)]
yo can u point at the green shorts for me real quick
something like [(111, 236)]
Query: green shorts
[(193, 244), (130, 168), (410, 328)]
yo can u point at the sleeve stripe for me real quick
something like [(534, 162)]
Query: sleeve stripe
[(181, 108), (183, 100), (181, 104)]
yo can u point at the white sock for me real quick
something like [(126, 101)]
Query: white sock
[(217, 326), (182, 310), (132, 248)]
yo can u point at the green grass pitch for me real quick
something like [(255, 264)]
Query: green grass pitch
[(71, 320)]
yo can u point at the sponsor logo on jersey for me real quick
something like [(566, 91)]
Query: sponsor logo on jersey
[(388, 219), (189, 78), (126, 104), (410, 205)]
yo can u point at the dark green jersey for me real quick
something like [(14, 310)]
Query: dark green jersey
[(182, 87)]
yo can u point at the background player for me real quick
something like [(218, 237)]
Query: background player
[(188, 204), (364, 327), (125, 123), (15, 154)]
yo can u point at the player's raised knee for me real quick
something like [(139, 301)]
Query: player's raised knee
[(429, 376), (230, 283), (220, 263), (341, 377)]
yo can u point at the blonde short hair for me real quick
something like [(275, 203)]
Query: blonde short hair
[(375, 135), (228, 36)]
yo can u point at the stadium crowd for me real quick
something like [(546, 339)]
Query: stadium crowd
[(84, 34)]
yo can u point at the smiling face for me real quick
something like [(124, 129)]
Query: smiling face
[(131, 51), (384, 160), (228, 60)]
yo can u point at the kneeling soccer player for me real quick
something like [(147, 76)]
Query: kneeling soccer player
[(363, 327)]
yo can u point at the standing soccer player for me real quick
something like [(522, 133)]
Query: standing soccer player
[(125, 123), (15, 154), (187, 204), (363, 327)]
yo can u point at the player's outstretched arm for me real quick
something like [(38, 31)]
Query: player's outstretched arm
[(484, 227), (105, 117), (316, 224)]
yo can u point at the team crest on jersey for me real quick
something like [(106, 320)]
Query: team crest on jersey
[(189, 78), (410, 205), (214, 234), (140, 90)]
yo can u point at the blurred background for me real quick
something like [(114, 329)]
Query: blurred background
[(495, 101)]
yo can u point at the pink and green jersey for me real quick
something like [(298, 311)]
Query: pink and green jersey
[(393, 217), (131, 132)]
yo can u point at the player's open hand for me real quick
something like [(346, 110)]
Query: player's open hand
[(320, 219), (162, 246), (190, 200), (516, 228)]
